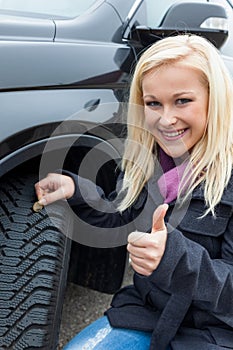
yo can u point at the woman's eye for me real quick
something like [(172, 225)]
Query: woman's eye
[(152, 103), (182, 101)]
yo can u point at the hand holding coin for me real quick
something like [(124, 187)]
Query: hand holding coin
[(52, 188), (37, 206)]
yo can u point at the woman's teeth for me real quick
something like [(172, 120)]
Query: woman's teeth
[(173, 133)]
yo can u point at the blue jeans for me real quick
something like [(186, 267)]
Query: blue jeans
[(101, 336)]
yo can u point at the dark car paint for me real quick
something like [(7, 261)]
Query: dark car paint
[(52, 69)]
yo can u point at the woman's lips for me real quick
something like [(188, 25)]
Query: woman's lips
[(173, 135)]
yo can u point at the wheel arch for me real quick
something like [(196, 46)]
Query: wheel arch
[(29, 144), (104, 269)]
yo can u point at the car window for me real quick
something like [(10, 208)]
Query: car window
[(63, 8)]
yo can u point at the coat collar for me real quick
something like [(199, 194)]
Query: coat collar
[(151, 188), (227, 197), (198, 192)]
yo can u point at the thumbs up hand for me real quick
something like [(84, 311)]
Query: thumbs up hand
[(158, 223), (146, 250)]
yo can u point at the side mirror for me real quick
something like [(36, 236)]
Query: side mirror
[(187, 17)]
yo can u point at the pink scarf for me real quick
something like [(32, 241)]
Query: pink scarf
[(169, 182)]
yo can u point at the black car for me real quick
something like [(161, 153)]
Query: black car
[(65, 69)]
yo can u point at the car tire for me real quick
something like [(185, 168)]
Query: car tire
[(34, 262)]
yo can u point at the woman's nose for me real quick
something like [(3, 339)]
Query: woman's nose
[(168, 117)]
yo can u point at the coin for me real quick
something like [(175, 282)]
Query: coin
[(37, 206)]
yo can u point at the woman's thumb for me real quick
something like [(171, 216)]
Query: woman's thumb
[(158, 223)]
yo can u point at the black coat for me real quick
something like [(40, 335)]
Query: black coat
[(188, 300)]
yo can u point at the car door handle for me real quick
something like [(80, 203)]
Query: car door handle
[(92, 104)]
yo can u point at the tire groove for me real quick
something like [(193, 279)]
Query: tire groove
[(31, 269)]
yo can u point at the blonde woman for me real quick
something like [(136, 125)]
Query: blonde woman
[(176, 184)]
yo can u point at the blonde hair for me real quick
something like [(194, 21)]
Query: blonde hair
[(212, 157)]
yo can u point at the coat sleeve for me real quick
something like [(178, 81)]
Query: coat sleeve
[(187, 267), (91, 204)]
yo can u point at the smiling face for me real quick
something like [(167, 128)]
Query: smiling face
[(175, 107)]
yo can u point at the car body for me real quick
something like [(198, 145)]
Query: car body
[(48, 72), (65, 71)]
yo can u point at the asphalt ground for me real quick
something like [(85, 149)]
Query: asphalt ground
[(82, 306)]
